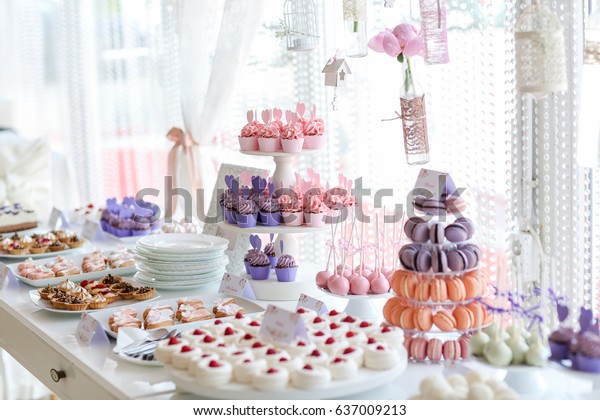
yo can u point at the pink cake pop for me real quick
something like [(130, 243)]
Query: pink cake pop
[(359, 285), (323, 276), (339, 285)]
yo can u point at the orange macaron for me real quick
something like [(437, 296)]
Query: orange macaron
[(396, 313), (422, 291), (479, 313), (389, 307), (472, 286), (456, 290), (444, 321), (423, 319), (463, 317), (406, 319), (404, 283), (438, 290)]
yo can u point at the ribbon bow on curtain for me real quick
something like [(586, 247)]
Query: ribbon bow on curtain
[(186, 142)]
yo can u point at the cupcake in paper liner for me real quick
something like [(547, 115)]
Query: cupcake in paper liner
[(314, 134), (286, 268), (251, 252), (560, 342), (292, 134), (248, 137), (270, 212), (260, 266), (269, 249), (291, 211), (588, 354), (269, 137), (247, 213), (230, 208), (314, 212)]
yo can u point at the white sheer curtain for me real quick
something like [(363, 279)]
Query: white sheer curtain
[(215, 39)]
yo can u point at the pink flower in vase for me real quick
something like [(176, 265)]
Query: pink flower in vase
[(404, 39)]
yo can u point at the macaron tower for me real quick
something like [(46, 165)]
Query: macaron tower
[(440, 287)]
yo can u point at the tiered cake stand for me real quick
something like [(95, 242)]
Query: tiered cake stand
[(271, 289)]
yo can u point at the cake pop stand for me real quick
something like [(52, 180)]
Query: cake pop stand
[(360, 306)]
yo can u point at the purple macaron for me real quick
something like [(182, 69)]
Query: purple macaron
[(434, 206), (468, 224), (456, 232), (439, 260), (472, 258), (457, 260), (422, 261), (407, 255), (436, 233), (410, 225), (420, 233)]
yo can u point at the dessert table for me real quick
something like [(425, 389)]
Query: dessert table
[(44, 343)]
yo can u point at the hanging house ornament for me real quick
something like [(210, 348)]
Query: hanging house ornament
[(336, 70), (434, 30), (300, 25), (540, 51)]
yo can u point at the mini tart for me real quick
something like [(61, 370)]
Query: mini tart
[(144, 293), (98, 302), (75, 242), (17, 250), (127, 292), (76, 305), (110, 296), (57, 246), (47, 292), (38, 249), (111, 280), (59, 303)]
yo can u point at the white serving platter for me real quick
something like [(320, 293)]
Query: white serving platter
[(34, 295), (249, 306), (5, 254), (78, 260), (365, 380)]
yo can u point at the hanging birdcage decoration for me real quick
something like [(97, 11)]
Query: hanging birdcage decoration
[(540, 51), (435, 32), (300, 25)]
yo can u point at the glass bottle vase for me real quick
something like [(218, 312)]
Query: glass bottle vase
[(355, 27), (413, 113)]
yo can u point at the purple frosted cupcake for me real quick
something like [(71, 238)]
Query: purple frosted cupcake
[(260, 266), (251, 252), (286, 268), (124, 228), (140, 226), (247, 213), (270, 214), (230, 208), (560, 342), (588, 356), (105, 219), (269, 249)]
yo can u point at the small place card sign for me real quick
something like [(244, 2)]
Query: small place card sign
[(236, 286), (4, 270), (90, 230), (309, 302), (86, 329), (55, 216), (439, 184), (282, 326)]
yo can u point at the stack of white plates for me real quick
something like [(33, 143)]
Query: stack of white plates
[(180, 261)]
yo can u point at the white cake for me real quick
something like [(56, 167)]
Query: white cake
[(13, 217)]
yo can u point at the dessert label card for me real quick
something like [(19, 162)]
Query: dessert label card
[(236, 286), (91, 231), (282, 326), (309, 302), (55, 216), (439, 184), (92, 339)]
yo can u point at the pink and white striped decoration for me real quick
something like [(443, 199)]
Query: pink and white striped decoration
[(435, 33)]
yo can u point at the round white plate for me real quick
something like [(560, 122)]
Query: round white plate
[(177, 286), (182, 242), (145, 264), (161, 258), (365, 380), (180, 279), (178, 276)]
